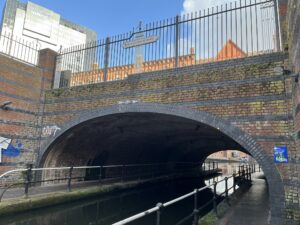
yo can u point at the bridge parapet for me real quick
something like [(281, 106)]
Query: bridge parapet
[(235, 30)]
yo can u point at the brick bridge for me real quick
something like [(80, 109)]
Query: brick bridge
[(179, 114)]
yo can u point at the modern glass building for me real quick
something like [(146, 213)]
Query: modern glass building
[(46, 29)]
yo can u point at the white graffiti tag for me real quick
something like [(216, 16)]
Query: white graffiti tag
[(50, 131), (128, 102)]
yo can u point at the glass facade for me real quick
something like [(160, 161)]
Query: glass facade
[(34, 23)]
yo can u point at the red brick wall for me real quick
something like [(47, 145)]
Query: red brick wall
[(23, 85)]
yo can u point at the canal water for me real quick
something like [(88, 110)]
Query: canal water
[(105, 210)]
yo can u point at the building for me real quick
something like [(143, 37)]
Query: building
[(233, 155), (230, 50), (96, 75), (42, 27)]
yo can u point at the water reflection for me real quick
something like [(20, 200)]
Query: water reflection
[(227, 170), (112, 208), (104, 210)]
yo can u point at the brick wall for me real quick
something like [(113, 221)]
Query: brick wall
[(250, 93), (293, 184), (23, 85)]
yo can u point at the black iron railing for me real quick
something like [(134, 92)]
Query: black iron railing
[(242, 176), (68, 177), (239, 29), (19, 49)]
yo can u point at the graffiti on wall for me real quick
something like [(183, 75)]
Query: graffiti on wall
[(50, 130), (8, 149)]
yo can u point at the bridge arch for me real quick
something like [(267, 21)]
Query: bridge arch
[(244, 140)]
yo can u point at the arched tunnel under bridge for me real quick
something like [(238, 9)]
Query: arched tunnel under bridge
[(141, 134), (137, 138)]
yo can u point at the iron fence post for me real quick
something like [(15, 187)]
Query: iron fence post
[(158, 213), (139, 173), (28, 179), (100, 174), (247, 172), (106, 58), (196, 211), (123, 172), (234, 182), (215, 198), (250, 175), (243, 171), (70, 178), (177, 27), (226, 188), (277, 26), (152, 171)]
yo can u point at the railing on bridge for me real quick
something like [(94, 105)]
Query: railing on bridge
[(19, 49), (235, 30), (243, 175), (68, 177)]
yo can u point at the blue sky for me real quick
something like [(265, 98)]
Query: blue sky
[(119, 16)]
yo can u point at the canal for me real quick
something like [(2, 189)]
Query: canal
[(104, 210)]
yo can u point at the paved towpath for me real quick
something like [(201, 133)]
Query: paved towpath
[(252, 208)]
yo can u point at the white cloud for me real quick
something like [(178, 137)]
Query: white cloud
[(196, 5)]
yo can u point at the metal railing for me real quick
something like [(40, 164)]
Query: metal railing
[(243, 175), (19, 49), (239, 29), (69, 177)]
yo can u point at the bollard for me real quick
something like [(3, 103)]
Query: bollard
[(196, 211), (70, 178), (158, 213), (28, 179), (215, 198)]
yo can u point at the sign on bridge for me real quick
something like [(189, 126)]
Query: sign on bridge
[(140, 40)]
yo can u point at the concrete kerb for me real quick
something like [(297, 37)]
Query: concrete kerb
[(276, 189)]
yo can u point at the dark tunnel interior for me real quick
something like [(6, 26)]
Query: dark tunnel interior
[(137, 138)]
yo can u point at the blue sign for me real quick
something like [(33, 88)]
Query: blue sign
[(280, 154), (13, 151)]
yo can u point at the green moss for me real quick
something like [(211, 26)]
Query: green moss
[(39, 201), (211, 218)]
